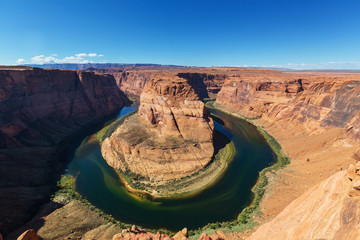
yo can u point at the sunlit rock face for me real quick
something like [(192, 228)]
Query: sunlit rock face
[(312, 100), (329, 210), (39, 110), (170, 137)]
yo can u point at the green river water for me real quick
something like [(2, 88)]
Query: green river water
[(99, 183)]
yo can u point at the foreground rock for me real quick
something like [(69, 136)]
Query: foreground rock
[(29, 235), (170, 137), (39, 110), (330, 210)]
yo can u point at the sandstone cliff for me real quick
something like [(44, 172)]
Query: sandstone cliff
[(171, 137), (330, 210), (206, 82), (39, 110), (315, 101), (315, 118)]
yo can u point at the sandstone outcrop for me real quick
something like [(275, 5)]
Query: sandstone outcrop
[(132, 79), (39, 110), (134, 233), (253, 98), (316, 101), (137, 234), (330, 210), (315, 117), (169, 138), (353, 128), (29, 235)]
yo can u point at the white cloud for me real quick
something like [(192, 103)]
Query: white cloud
[(21, 61), (304, 66), (53, 58)]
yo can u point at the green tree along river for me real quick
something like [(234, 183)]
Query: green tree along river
[(99, 183)]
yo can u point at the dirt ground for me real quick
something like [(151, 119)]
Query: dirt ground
[(314, 157)]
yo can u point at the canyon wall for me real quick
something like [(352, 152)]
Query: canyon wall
[(176, 109), (40, 109), (315, 118), (207, 83), (330, 210), (133, 81), (315, 102), (169, 138)]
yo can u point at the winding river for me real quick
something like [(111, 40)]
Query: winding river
[(100, 185)]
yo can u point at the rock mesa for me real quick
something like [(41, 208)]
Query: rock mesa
[(170, 137)]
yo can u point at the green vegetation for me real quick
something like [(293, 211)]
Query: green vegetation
[(220, 161), (245, 219), (66, 193), (143, 186), (213, 105), (111, 128), (134, 99)]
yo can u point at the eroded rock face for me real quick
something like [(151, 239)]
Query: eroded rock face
[(326, 102), (206, 82), (330, 210), (253, 98), (175, 108), (171, 137), (29, 235), (315, 101), (353, 128), (39, 110)]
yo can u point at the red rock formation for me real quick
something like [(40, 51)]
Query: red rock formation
[(254, 98), (318, 101), (171, 138), (206, 82), (310, 104), (326, 102), (176, 109), (353, 128), (330, 210), (39, 110), (28, 235), (138, 234), (135, 233), (133, 81)]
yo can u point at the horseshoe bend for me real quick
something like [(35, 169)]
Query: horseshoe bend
[(171, 136), (173, 146)]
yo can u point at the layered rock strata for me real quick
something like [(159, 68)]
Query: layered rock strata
[(206, 82), (315, 118), (39, 110), (169, 138), (330, 210), (315, 101)]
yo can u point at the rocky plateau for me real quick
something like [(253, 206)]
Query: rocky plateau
[(170, 137)]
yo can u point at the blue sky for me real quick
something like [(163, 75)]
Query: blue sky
[(292, 33)]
